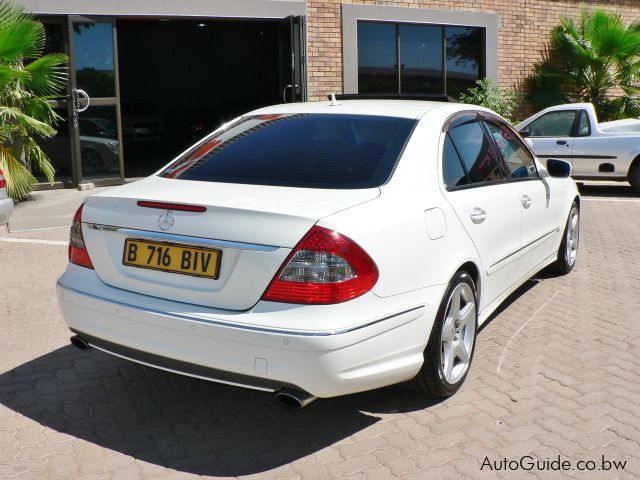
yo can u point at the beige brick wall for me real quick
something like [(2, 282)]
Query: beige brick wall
[(523, 33)]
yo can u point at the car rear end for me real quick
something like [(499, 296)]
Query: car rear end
[(225, 265), (6, 203)]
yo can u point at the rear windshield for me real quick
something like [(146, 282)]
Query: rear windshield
[(299, 150)]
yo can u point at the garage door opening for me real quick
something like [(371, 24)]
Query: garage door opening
[(181, 79)]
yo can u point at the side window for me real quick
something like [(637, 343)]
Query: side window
[(518, 161), (452, 171), (584, 126), (553, 124), (477, 153)]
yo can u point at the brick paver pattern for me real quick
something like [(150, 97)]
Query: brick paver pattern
[(556, 372)]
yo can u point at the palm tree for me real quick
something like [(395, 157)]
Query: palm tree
[(27, 80), (596, 60)]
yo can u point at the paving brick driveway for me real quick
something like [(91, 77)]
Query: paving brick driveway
[(556, 372)]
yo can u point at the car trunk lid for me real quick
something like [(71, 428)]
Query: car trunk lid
[(252, 227)]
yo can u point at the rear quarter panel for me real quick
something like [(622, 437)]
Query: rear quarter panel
[(392, 228)]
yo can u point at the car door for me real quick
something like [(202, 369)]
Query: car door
[(551, 135), (539, 229), (593, 155), (487, 206)]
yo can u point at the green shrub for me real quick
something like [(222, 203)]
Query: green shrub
[(487, 94)]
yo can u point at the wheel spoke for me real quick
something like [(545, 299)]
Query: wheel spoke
[(460, 351), (447, 363), (467, 314), (447, 330), (454, 309), (574, 222)]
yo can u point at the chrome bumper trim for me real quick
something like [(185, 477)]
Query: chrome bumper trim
[(252, 328)]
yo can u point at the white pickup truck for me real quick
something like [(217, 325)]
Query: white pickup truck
[(602, 151)]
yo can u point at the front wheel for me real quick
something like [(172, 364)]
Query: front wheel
[(568, 251), (449, 352)]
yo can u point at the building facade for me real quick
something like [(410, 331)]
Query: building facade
[(150, 77)]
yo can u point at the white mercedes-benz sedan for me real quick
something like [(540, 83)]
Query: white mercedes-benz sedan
[(321, 249)]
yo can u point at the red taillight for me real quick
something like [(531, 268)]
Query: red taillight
[(325, 267), (3, 181), (78, 253), (172, 206)]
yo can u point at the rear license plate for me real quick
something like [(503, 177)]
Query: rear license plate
[(172, 257)]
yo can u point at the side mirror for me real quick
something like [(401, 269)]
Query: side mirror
[(524, 133), (558, 168)]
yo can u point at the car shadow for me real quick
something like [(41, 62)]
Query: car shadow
[(519, 292), (183, 423), (622, 190)]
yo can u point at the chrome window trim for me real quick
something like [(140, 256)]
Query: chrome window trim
[(171, 237), (496, 266)]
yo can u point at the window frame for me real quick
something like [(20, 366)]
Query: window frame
[(464, 116), (482, 66)]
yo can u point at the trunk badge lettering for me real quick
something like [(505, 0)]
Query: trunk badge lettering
[(166, 220)]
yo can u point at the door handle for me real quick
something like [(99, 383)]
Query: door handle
[(478, 215), (284, 92), (526, 201), (561, 142)]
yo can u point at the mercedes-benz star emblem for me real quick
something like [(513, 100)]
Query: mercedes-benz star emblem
[(165, 221)]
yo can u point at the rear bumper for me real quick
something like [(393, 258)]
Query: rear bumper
[(228, 347), (6, 208)]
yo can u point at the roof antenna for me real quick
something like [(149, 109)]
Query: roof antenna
[(334, 102)]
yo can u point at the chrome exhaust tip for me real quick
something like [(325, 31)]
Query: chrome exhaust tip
[(294, 399), (79, 342)]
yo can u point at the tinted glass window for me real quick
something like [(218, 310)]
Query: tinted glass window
[(421, 59), (553, 124), (299, 150), (452, 171), (421, 56), (464, 58), (377, 60), (584, 127), (477, 153), (517, 159)]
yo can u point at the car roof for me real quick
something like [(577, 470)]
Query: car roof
[(387, 108)]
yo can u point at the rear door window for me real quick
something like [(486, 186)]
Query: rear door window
[(518, 161), (452, 170), (299, 150), (478, 155)]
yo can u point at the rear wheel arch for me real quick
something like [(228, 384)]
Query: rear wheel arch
[(634, 162), (473, 270)]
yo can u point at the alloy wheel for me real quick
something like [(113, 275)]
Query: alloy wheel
[(573, 236), (458, 333)]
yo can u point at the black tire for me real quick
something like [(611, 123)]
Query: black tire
[(431, 379), (565, 262), (634, 177)]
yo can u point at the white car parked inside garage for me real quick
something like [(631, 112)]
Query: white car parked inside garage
[(321, 249), (596, 151)]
